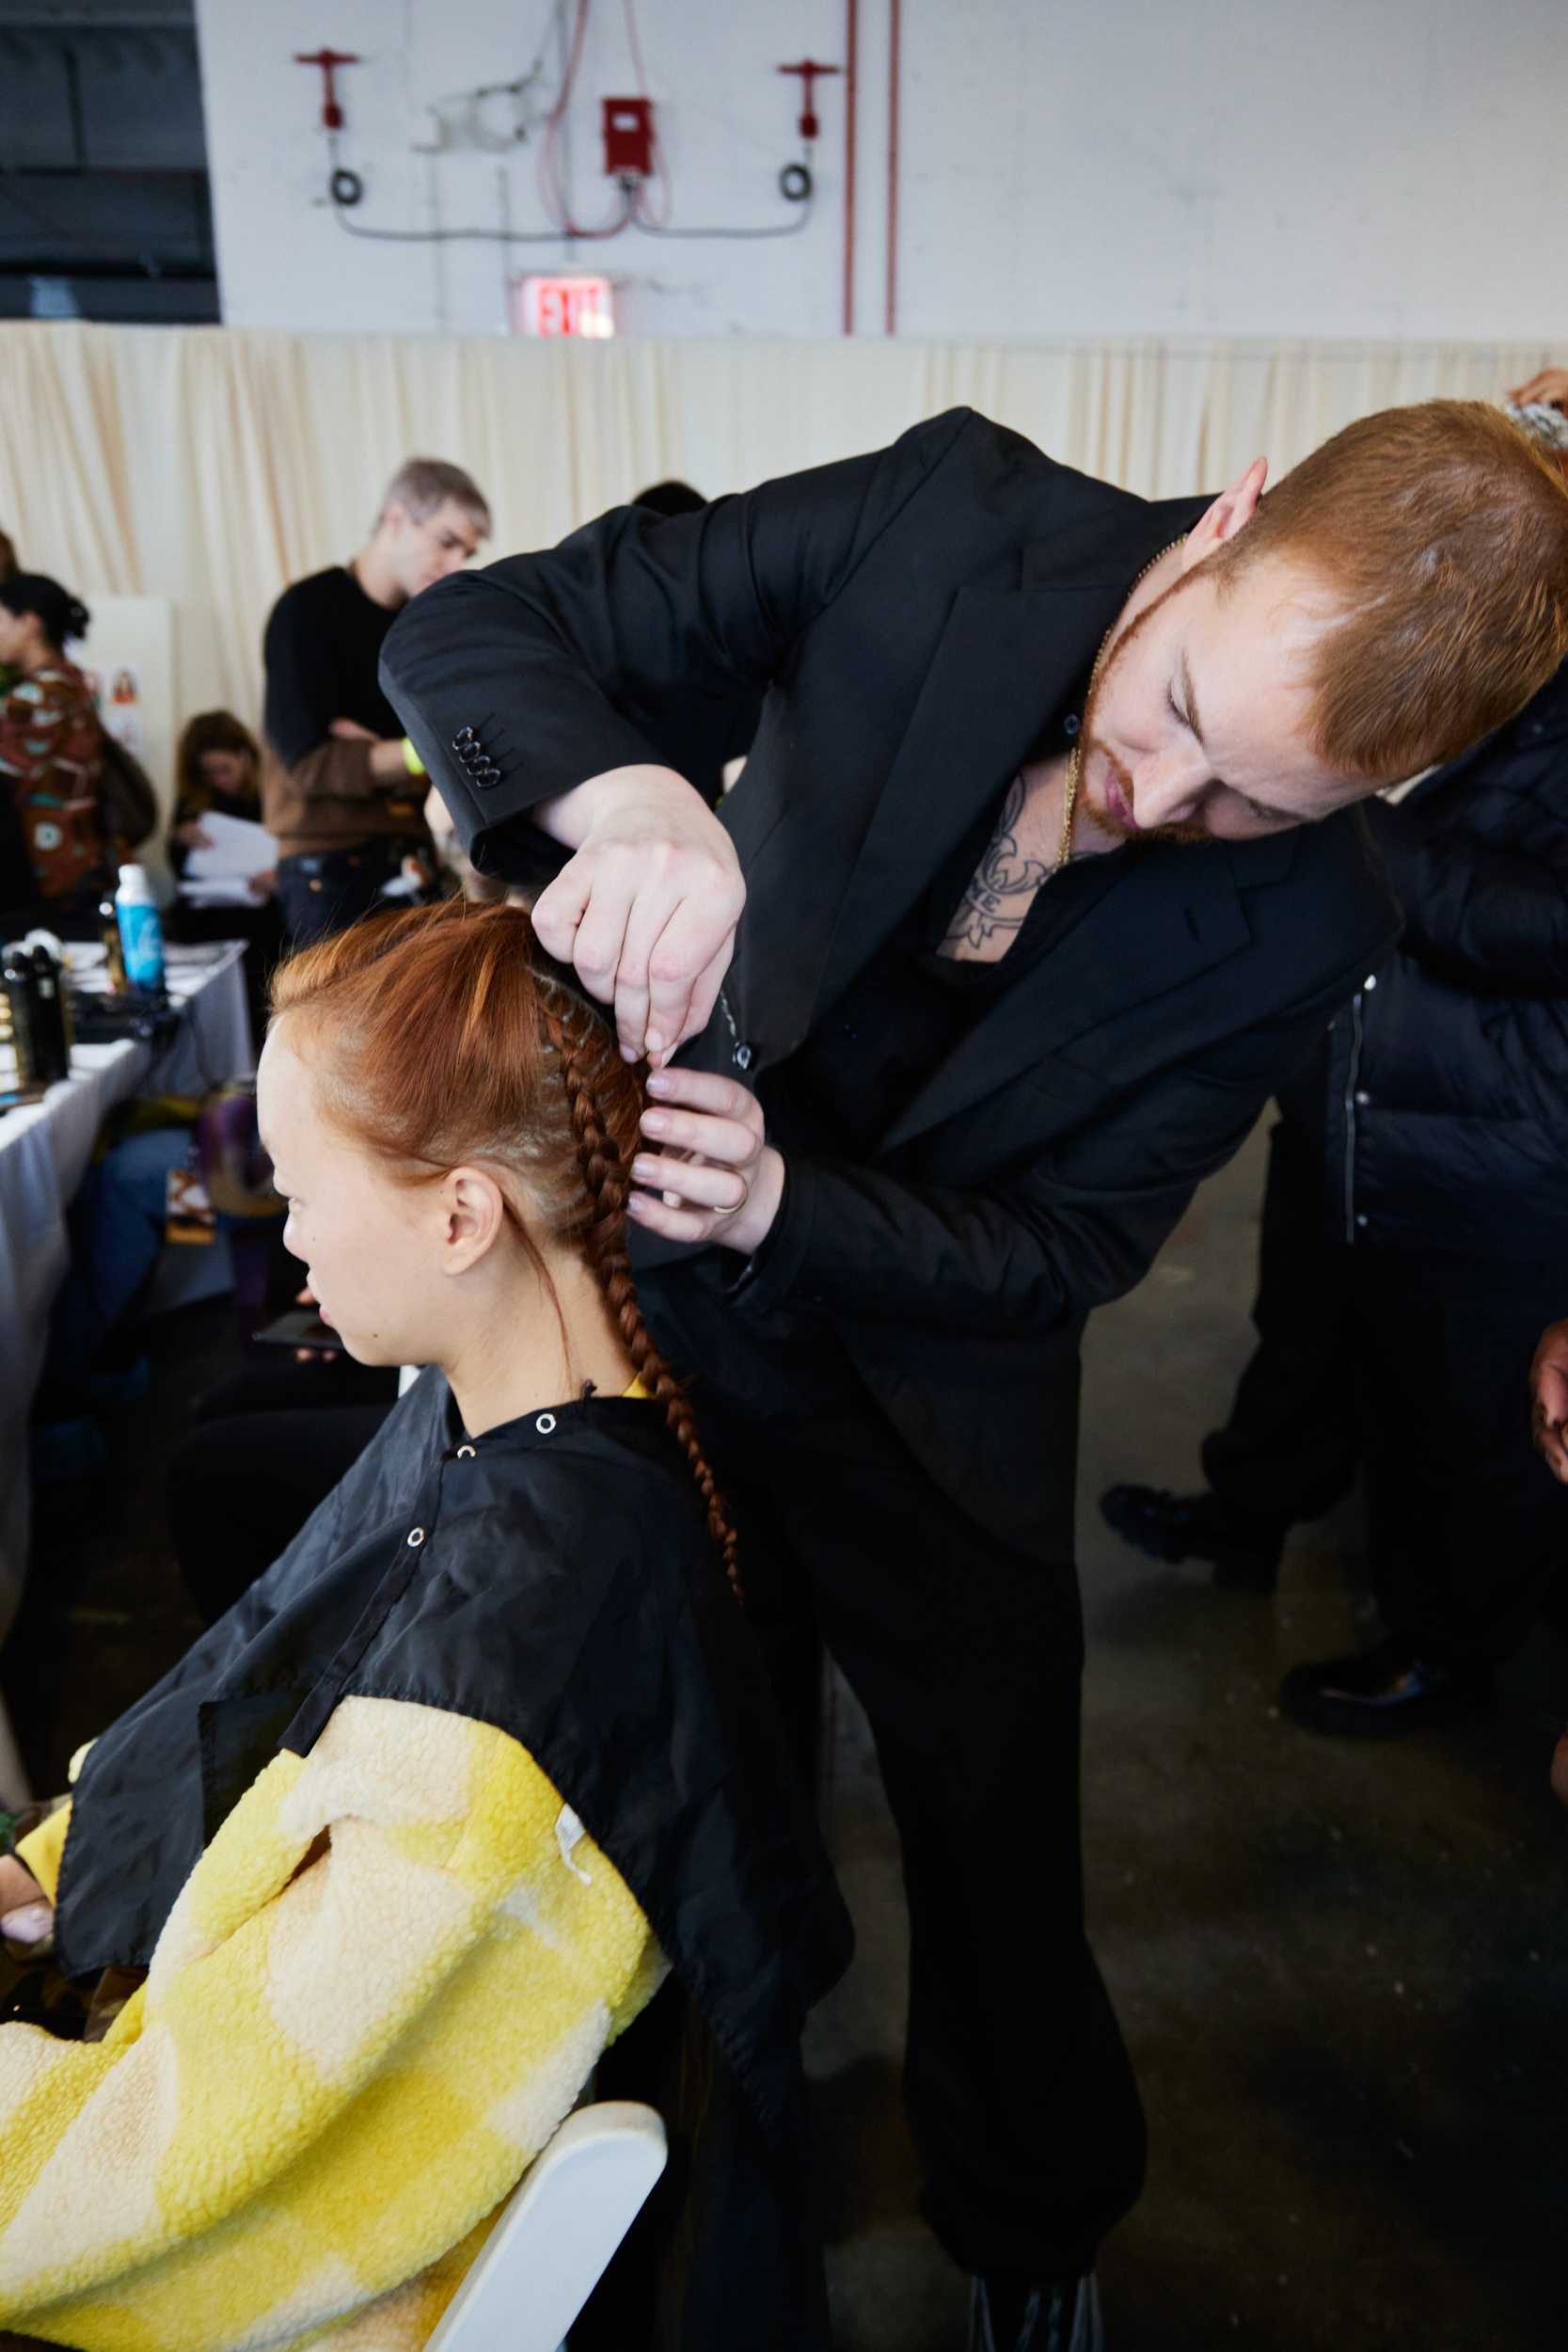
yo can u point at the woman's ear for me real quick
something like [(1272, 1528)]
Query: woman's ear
[(473, 1209)]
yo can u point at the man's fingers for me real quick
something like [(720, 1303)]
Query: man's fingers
[(558, 910), (672, 1224), (688, 1181), (687, 967), (29, 1925)]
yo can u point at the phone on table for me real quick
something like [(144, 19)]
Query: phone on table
[(300, 1327)]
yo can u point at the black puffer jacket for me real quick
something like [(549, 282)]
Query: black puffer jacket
[(1447, 1072)]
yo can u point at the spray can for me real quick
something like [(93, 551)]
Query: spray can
[(141, 934), (36, 1008)]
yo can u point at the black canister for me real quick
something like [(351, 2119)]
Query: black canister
[(35, 999)]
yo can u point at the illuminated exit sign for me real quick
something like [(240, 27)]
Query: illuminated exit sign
[(562, 306)]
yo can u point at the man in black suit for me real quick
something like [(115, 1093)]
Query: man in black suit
[(998, 1001)]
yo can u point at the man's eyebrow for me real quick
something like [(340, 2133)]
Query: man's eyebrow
[(1190, 701)]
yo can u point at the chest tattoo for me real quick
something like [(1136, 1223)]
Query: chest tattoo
[(1003, 888)]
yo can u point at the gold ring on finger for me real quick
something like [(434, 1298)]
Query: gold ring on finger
[(745, 1196)]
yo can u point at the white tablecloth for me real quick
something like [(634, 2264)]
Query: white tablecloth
[(44, 1152)]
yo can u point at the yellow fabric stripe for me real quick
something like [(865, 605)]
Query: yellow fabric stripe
[(40, 1850)]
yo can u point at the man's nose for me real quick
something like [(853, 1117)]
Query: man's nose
[(1169, 789)]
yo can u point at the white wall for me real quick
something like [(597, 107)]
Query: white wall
[(1069, 168)]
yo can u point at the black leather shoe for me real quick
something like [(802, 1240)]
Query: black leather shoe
[(1381, 1693), (1008, 2315), (1245, 1550)]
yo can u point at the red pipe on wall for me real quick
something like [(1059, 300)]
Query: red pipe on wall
[(851, 62), (895, 29)]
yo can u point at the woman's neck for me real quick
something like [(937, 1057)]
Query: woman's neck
[(509, 1358)]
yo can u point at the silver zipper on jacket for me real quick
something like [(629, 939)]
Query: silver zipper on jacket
[(1351, 1077)]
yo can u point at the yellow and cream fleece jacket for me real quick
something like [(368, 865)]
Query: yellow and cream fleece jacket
[(381, 1989)]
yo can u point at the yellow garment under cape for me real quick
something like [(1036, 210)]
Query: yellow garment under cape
[(381, 1989)]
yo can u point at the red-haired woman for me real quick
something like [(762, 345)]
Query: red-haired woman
[(420, 1827)]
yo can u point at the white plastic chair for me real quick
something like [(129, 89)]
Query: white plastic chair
[(551, 2246)]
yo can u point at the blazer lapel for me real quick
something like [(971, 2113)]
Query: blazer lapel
[(1172, 913), (1007, 660)]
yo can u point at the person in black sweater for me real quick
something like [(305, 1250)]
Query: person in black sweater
[(340, 788), (1414, 1230)]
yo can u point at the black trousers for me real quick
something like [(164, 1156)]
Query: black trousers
[(967, 1658), (1412, 1366)]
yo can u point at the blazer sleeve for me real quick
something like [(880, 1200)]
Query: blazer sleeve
[(594, 653), (1016, 1258), (1486, 919)]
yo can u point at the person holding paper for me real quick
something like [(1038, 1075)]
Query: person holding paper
[(228, 891)]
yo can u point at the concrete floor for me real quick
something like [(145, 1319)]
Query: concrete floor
[(1343, 1971)]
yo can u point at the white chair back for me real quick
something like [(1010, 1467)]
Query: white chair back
[(546, 2253)]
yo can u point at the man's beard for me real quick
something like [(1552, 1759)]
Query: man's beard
[(1092, 748), (1102, 820)]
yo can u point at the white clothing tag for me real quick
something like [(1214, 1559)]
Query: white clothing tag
[(568, 1832)]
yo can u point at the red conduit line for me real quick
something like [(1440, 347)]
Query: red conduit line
[(895, 28), (851, 62)]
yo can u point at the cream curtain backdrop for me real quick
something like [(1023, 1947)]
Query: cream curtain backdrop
[(210, 466)]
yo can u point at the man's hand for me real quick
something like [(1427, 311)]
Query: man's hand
[(27, 1914), (647, 908), (1549, 390), (1548, 1389), (714, 1177)]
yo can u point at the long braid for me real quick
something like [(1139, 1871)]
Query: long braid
[(585, 1055)]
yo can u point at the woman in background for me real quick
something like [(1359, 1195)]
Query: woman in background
[(52, 744), (217, 767)]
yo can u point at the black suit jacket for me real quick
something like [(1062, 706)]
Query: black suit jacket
[(918, 616)]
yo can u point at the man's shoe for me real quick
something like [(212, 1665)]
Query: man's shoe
[(1009, 2316), (1245, 1550), (1381, 1693)]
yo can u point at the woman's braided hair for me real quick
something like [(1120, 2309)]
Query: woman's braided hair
[(456, 1037)]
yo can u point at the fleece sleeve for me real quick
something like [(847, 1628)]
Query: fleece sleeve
[(379, 1992)]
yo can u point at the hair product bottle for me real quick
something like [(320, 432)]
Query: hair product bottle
[(141, 934)]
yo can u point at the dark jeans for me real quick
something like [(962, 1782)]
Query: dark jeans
[(967, 1658), (271, 1443), (323, 894), (1412, 1366)]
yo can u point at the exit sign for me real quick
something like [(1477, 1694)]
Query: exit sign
[(562, 306)]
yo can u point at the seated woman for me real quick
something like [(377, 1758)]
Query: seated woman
[(217, 766), (418, 1829)]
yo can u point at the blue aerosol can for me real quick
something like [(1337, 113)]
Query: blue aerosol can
[(141, 934)]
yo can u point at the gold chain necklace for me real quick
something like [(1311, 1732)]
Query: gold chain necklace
[(1074, 758)]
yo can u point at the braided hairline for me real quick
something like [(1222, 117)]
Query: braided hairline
[(584, 1053)]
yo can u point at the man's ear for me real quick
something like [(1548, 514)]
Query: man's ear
[(1231, 510), (473, 1209)]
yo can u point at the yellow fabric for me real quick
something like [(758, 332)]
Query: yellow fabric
[(379, 1992), (638, 1389), (40, 1850), (411, 759)]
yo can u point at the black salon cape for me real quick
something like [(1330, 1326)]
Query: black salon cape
[(562, 1587)]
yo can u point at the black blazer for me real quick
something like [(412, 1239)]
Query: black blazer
[(919, 615)]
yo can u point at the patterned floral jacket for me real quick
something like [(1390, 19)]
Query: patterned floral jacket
[(51, 759)]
